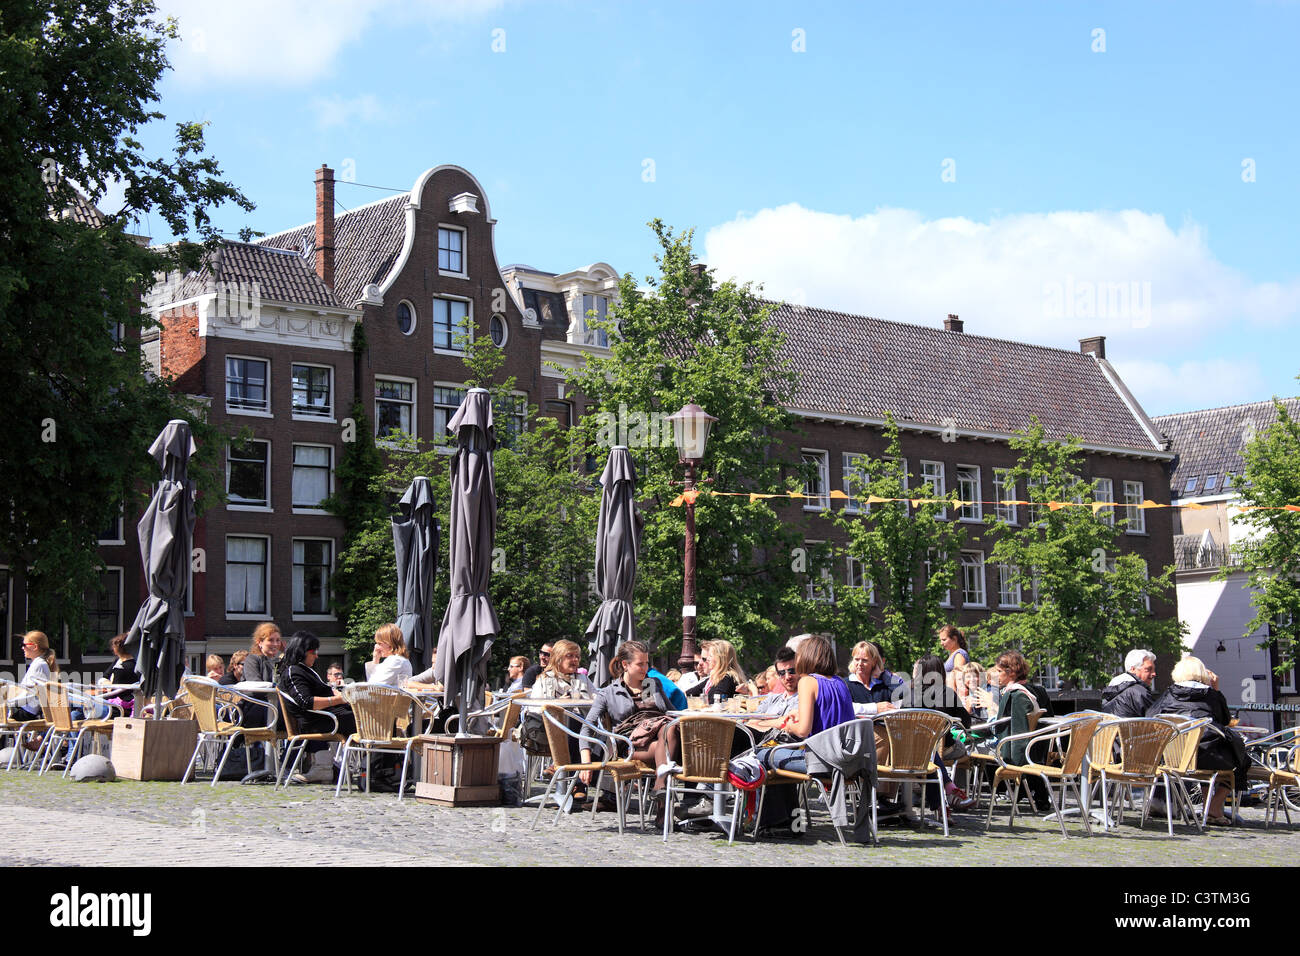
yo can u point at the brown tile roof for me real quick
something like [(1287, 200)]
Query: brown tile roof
[(79, 209), (281, 276), (367, 241), (856, 365), (1209, 441)]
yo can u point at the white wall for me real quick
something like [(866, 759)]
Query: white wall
[(1217, 611)]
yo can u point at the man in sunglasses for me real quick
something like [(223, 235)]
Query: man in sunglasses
[(535, 670), (784, 698)]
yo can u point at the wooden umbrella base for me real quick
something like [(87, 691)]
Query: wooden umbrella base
[(459, 772)]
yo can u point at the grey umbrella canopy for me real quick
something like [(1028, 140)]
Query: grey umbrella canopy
[(166, 532), (415, 540), (618, 541), (470, 624)]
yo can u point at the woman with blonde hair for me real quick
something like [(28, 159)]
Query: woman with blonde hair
[(235, 672), (722, 673), (41, 664), (561, 678), (390, 664), (1195, 693)]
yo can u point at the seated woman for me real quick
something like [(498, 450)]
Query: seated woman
[(872, 687), (389, 665), (560, 679), (41, 665), (953, 642), (1195, 693), (216, 667), (1019, 699), (824, 702), (264, 654), (930, 691), (307, 691), (635, 706), (235, 672), (722, 674), (972, 682)]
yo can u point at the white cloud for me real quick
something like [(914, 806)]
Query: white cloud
[(285, 42), (1164, 387), (341, 111), (1047, 278)]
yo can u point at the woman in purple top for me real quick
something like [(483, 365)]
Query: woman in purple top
[(824, 702)]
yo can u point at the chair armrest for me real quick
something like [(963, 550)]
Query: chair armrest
[(1055, 731)]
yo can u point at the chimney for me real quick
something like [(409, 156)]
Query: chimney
[(325, 225), (1096, 345), (953, 324)]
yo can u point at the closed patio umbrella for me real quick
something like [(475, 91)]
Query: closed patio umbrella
[(618, 541), (166, 533), (415, 540), (470, 623)]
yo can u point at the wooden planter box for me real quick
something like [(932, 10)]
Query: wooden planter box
[(153, 749), (459, 772)]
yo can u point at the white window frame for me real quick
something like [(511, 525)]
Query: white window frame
[(864, 581), (929, 573), (232, 505), (120, 524), (415, 317), (819, 502), (1008, 513), (849, 466), (303, 615), (328, 417), (1049, 674), (121, 614), (266, 581), (8, 621), (939, 490), (225, 386), (978, 507), (434, 406), (308, 509), (415, 410), (1008, 584), (1035, 512), (523, 417), (821, 589), (464, 251), (505, 326), (1146, 575), (592, 336), (455, 330), (1105, 492), (1137, 517), (966, 564)]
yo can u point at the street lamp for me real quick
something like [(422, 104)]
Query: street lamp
[(690, 433)]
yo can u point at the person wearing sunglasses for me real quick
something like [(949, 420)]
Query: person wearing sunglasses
[(784, 694), (535, 671)]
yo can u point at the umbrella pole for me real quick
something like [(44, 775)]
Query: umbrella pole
[(157, 702)]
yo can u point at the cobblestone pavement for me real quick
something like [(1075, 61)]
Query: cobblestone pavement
[(58, 822)]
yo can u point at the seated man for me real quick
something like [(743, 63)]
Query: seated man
[(1129, 694), (784, 696), (533, 671), (690, 678)]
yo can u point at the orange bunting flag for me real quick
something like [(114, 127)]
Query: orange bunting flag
[(1056, 505), (690, 497), (877, 500), (1097, 506), (838, 494), (1151, 504), (676, 502), (1291, 507)]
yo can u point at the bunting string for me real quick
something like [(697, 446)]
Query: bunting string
[(837, 495)]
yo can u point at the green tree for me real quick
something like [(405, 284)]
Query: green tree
[(686, 339), (1271, 555), (1092, 598), (893, 541), (79, 405)]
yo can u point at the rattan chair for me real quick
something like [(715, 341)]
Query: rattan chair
[(297, 742), (20, 755), (57, 710), (1277, 765), (914, 736), (982, 765), (1079, 730), (823, 782), (95, 728), (706, 752), (216, 709), (1215, 778), (1179, 762), (621, 770), (1142, 742), (378, 709)]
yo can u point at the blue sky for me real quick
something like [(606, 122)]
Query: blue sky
[(903, 161)]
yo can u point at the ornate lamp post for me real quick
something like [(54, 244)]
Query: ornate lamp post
[(690, 433)]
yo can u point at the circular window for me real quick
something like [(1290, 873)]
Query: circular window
[(497, 328), (405, 318)]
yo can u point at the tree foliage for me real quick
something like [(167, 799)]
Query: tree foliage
[(80, 406), (685, 339), (1271, 555), (1091, 604)]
